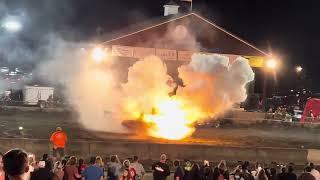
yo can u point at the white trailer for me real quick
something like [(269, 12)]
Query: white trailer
[(37, 95)]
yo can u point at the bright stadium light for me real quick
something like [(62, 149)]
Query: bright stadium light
[(271, 64), (11, 26), (299, 69), (98, 54)]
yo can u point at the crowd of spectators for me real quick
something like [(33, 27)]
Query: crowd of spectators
[(16, 164)]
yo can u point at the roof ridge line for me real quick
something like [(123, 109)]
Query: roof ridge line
[(136, 32), (230, 34), (186, 15)]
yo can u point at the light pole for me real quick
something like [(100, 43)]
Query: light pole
[(300, 73), (270, 66), (298, 69)]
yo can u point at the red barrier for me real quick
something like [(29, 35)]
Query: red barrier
[(312, 105)]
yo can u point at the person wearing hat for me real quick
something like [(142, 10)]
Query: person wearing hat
[(59, 140)]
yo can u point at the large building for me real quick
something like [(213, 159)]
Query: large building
[(175, 37)]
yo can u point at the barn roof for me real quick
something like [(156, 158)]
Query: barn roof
[(202, 35)]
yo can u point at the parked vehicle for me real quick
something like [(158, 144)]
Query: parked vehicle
[(37, 95)]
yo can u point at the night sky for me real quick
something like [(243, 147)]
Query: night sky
[(287, 28)]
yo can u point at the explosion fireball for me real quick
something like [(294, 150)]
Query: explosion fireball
[(170, 120), (211, 85)]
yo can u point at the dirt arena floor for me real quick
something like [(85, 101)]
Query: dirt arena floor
[(39, 125)]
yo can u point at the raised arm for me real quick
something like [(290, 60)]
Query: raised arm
[(117, 159), (142, 170)]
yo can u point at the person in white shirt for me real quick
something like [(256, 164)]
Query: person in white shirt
[(137, 167)]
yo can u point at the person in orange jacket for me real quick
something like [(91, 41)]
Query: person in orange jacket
[(59, 140)]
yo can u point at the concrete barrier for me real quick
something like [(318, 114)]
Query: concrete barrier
[(152, 151), (241, 115)]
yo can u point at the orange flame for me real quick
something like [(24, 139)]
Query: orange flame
[(171, 120), (210, 87)]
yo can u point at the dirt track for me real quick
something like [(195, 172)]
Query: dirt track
[(39, 125)]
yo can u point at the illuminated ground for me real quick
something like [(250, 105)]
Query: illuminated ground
[(39, 125)]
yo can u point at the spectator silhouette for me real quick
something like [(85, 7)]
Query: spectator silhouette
[(42, 173), (137, 167), (282, 175), (179, 172), (290, 175), (160, 169), (93, 171), (15, 164)]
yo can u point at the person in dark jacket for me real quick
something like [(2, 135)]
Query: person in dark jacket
[(187, 170), (215, 173), (192, 171), (290, 175), (206, 172), (273, 174), (282, 175), (179, 172), (160, 169), (43, 173), (48, 161), (195, 172), (246, 174)]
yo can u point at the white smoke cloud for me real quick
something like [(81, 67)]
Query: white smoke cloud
[(210, 64), (212, 84), (93, 94), (234, 84), (90, 89)]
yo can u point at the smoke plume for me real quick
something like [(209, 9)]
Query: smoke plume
[(212, 84), (89, 88)]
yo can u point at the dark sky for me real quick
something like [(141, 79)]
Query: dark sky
[(288, 28)]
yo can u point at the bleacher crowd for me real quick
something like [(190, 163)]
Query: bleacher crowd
[(16, 164)]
